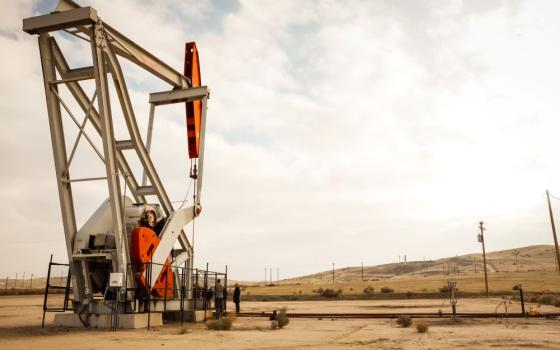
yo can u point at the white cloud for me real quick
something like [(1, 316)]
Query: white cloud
[(336, 132)]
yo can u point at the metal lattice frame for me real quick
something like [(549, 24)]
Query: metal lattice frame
[(106, 44)]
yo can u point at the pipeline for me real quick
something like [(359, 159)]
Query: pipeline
[(396, 315)]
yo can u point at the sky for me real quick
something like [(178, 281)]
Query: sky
[(337, 131)]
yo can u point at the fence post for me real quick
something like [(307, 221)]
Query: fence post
[(46, 293), (226, 292)]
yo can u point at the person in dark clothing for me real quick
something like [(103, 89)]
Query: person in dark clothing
[(237, 297)]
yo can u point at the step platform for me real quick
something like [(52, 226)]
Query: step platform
[(188, 316), (126, 321)]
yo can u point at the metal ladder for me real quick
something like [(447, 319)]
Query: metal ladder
[(67, 290)]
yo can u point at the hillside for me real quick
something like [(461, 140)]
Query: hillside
[(535, 270), (531, 258)]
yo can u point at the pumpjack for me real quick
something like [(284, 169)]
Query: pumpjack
[(129, 237)]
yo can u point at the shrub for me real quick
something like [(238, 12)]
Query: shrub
[(556, 302), (545, 299), (369, 290), (331, 293), (404, 321), (516, 287), (274, 325), (320, 290), (221, 324), (282, 317), (422, 327), (387, 290)]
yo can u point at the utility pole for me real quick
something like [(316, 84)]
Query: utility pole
[(481, 240), (277, 275), (362, 271), (457, 261), (553, 230), (265, 276), (31, 283), (270, 275), (23, 281), (516, 253), (15, 283), (332, 272)]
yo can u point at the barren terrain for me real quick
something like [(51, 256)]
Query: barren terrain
[(20, 318)]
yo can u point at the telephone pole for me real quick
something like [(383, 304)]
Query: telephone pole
[(332, 272), (362, 271), (553, 230), (481, 240)]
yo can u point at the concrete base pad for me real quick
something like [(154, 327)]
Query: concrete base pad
[(128, 321), (188, 316)]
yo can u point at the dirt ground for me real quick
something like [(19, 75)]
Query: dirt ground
[(20, 319)]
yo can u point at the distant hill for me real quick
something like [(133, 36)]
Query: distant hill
[(531, 258)]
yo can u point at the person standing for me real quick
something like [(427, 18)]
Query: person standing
[(219, 295), (237, 297)]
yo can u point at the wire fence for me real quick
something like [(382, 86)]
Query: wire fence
[(24, 280)]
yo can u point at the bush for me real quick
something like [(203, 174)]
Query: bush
[(387, 290), (404, 321), (221, 324), (369, 290), (516, 287), (274, 325), (331, 293), (282, 317), (422, 327), (545, 299), (320, 290)]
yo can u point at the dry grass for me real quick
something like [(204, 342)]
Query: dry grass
[(534, 281), (422, 327), (221, 324), (404, 321)]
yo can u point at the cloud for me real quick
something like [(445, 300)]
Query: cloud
[(336, 132)]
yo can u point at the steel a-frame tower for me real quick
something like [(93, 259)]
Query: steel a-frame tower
[(115, 220)]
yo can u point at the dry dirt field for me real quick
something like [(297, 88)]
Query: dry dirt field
[(20, 318)]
